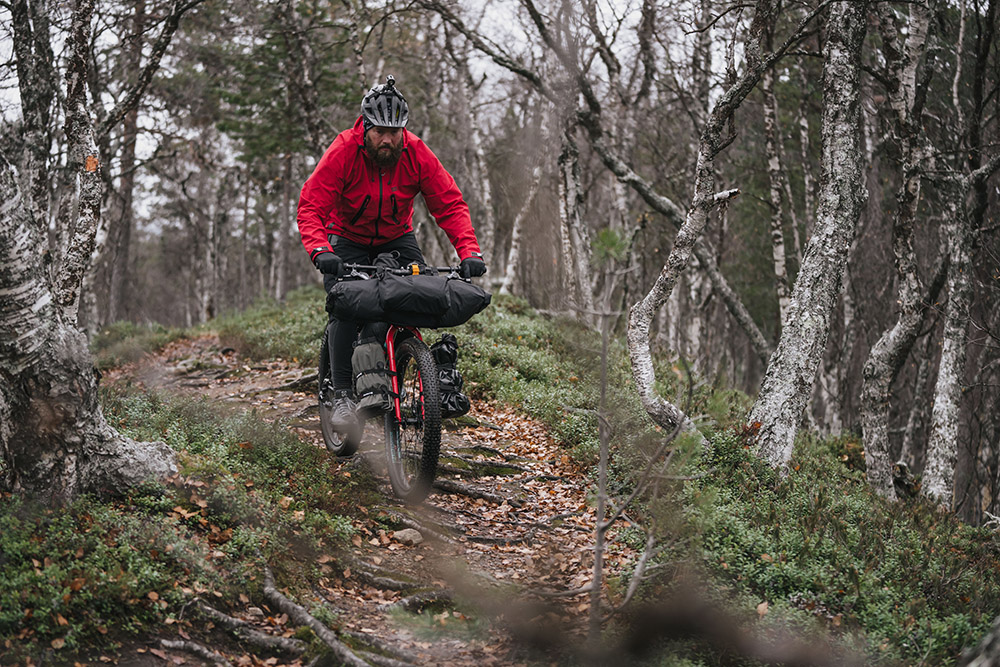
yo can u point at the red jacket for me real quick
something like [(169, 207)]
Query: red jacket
[(347, 195)]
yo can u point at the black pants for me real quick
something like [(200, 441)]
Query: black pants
[(343, 332)]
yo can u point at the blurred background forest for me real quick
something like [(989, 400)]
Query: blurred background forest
[(202, 177)]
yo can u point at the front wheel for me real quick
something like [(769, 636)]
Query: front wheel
[(339, 443), (413, 442)]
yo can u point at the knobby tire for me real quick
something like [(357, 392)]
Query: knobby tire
[(413, 444)]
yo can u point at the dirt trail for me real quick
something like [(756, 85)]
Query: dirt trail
[(510, 513)]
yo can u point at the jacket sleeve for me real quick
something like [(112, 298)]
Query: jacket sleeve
[(444, 201), (319, 194)]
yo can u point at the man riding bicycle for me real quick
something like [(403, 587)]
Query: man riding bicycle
[(358, 203)]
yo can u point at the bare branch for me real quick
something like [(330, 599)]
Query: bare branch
[(131, 99)]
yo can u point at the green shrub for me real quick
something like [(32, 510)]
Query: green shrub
[(82, 575), (912, 581), (124, 342)]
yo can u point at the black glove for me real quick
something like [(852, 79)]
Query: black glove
[(472, 267), (329, 263)]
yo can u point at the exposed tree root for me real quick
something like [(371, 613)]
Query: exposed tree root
[(246, 632), (381, 645), (379, 577), (502, 541), (419, 601), (301, 384), (480, 463), (197, 649), (383, 661), (303, 617), (451, 486), (429, 532)]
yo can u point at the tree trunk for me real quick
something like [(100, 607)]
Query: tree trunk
[(37, 84), (942, 448), (575, 253), (121, 232), (514, 254), (775, 179), (890, 351), (53, 437), (789, 378)]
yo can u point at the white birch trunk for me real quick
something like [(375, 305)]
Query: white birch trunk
[(789, 378), (53, 436), (513, 261), (576, 253), (775, 179), (888, 354), (942, 447)]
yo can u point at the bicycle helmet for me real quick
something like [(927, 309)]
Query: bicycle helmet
[(384, 106)]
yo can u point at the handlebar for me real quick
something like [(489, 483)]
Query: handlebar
[(364, 271)]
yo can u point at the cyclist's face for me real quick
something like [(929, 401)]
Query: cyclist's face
[(385, 136), (384, 145)]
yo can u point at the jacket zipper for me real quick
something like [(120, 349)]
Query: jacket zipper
[(361, 210), (379, 216)]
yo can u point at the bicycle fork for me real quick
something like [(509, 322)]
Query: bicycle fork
[(390, 348)]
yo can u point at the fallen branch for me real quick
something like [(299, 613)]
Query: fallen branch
[(451, 486), (197, 649), (303, 617), (245, 631)]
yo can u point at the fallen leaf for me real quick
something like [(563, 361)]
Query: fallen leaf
[(58, 643), (762, 609)]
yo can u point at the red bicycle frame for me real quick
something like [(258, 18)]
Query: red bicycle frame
[(390, 350)]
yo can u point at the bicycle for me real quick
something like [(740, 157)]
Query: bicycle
[(412, 425)]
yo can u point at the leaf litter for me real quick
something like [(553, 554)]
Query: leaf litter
[(538, 539)]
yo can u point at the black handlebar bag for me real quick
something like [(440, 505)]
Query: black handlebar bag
[(419, 301)]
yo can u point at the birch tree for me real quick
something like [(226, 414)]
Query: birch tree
[(53, 437), (906, 93), (789, 378)]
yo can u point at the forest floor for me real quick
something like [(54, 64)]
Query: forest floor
[(507, 532)]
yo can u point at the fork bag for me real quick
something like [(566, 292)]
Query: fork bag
[(453, 402)]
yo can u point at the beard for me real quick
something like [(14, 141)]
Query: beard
[(386, 156)]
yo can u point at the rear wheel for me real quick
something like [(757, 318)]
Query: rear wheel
[(340, 443), (413, 442)]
